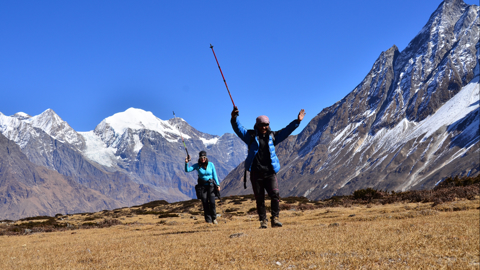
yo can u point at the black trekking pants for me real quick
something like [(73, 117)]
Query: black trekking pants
[(207, 196), (260, 183)]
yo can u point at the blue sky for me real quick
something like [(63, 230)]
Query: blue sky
[(88, 60)]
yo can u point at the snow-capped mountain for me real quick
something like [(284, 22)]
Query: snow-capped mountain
[(151, 150), (19, 126), (121, 133), (413, 120), (131, 157)]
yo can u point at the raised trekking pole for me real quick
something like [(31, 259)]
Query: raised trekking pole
[(188, 156), (211, 47), (223, 77)]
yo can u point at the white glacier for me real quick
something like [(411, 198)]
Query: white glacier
[(97, 151)]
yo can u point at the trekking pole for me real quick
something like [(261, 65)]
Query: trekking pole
[(188, 156), (211, 47)]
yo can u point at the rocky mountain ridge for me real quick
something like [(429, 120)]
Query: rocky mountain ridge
[(413, 120), (27, 189)]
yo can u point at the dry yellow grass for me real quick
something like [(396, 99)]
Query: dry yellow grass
[(398, 236)]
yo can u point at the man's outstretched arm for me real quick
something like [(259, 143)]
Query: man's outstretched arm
[(285, 132)]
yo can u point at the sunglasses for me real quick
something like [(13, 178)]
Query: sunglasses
[(264, 125)]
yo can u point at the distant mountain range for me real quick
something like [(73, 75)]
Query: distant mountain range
[(130, 158), (413, 120)]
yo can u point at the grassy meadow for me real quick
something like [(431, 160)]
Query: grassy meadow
[(159, 235)]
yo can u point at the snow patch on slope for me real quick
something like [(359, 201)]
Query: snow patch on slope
[(308, 191), (97, 151), (464, 102), (208, 142)]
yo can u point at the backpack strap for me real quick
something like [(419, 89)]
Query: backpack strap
[(252, 138)]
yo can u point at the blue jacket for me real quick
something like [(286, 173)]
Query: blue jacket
[(279, 136), (204, 174)]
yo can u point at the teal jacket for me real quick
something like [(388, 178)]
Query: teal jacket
[(278, 136), (204, 174)]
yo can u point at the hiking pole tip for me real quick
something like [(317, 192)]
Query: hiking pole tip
[(211, 46)]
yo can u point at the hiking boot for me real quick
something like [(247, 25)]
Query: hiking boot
[(263, 224), (276, 222), (215, 222)]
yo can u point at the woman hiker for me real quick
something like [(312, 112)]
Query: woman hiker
[(206, 185), (262, 161)]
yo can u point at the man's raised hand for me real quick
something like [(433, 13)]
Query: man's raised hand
[(301, 114), (235, 112)]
